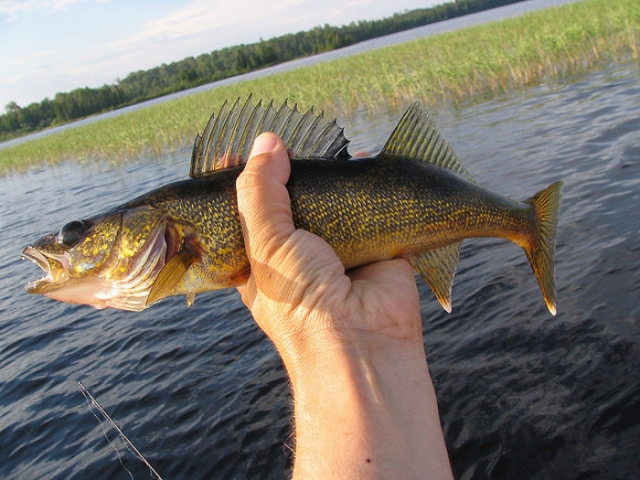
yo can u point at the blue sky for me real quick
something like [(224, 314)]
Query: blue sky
[(51, 46)]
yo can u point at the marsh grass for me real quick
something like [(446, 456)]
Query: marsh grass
[(465, 64)]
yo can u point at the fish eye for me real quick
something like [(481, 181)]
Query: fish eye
[(71, 234)]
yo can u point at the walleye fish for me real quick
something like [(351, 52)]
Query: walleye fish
[(413, 200)]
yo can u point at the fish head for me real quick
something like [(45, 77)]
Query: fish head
[(110, 260)]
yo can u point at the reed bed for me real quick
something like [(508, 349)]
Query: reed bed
[(465, 64)]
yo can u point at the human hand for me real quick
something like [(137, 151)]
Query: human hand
[(364, 404), (298, 290)]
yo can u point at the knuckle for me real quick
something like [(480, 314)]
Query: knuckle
[(247, 180)]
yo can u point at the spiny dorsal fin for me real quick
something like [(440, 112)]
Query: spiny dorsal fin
[(437, 268), (417, 136), (227, 139)]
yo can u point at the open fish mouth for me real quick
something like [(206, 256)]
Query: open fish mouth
[(48, 281)]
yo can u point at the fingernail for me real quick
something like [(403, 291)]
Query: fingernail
[(265, 142)]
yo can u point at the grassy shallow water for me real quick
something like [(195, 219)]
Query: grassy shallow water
[(476, 61)]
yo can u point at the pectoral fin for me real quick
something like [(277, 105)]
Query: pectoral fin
[(169, 277), (437, 268)]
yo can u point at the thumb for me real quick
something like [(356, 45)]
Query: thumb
[(263, 199), (264, 143)]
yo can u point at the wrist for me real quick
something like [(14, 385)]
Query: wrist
[(364, 365), (371, 401), (317, 351)]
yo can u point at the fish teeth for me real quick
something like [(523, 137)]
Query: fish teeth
[(41, 261)]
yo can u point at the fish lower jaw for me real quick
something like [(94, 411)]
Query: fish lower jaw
[(39, 286), (92, 291)]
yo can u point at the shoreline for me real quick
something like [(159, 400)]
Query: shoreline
[(489, 58)]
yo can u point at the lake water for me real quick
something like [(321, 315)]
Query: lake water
[(202, 393)]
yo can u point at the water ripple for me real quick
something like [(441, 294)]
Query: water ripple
[(203, 394)]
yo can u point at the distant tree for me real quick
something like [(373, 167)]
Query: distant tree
[(188, 76), (12, 107)]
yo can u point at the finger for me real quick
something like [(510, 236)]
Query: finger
[(248, 292), (263, 199), (361, 154), (387, 274)]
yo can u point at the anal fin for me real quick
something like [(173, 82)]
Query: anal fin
[(191, 297), (172, 273), (437, 268)]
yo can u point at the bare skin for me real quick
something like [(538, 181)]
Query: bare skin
[(364, 403)]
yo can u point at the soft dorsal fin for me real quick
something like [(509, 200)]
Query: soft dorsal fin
[(227, 139), (417, 136)]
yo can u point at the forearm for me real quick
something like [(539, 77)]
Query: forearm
[(361, 415)]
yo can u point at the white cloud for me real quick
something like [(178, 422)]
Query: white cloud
[(206, 17), (10, 7)]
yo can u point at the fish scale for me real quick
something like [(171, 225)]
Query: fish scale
[(413, 200)]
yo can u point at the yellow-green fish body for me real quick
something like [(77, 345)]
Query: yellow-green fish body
[(413, 200)]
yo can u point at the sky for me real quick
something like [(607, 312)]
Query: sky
[(51, 46)]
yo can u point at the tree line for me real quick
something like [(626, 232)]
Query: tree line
[(219, 64)]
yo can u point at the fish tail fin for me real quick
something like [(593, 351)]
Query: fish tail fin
[(541, 251)]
